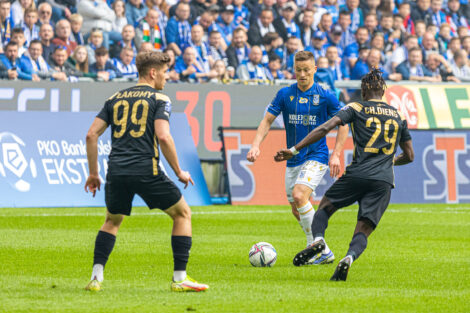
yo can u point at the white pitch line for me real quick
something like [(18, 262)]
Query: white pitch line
[(448, 210)]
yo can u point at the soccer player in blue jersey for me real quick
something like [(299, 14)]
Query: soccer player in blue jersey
[(304, 106)]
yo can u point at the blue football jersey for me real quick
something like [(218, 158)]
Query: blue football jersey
[(302, 112)]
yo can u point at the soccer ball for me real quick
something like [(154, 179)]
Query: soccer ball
[(262, 254)]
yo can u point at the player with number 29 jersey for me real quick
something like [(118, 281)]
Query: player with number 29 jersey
[(377, 128)]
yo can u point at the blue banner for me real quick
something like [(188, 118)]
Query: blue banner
[(43, 160)]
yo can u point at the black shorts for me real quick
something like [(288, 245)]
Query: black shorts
[(373, 196), (157, 191)]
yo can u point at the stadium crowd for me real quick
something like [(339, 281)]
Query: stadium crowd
[(227, 40)]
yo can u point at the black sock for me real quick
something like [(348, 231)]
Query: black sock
[(319, 223), (104, 244), (358, 245), (181, 246)]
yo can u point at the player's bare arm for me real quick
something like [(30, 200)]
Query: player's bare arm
[(261, 133), (312, 137), (407, 156), (167, 144), (335, 163), (97, 128)]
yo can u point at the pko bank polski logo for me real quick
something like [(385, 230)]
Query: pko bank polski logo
[(14, 166)]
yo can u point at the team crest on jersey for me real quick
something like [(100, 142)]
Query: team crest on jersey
[(303, 100), (316, 99), (291, 98)]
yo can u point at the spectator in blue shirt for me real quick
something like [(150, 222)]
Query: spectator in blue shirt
[(334, 62), (6, 22), (344, 21), (332, 8), (334, 38), (33, 64), (285, 24), (324, 74), (30, 29), (253, 69), (318, 43), (135, 11), (413, 68), (189, 69), (325, 24), (357, 16), (203, 51), (287, 55), (274, 67), (351, 52), (178, 29), (103, 67), (125, 63), (11, 61), (242, 14), (372, 60), (227, 23)]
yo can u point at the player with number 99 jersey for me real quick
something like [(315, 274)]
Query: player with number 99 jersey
[(131, 114)]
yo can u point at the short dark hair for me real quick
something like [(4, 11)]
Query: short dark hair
[(274, 57), (11, 43), (415, 49), (35, 41), (304, 56), (101, 51), (269, 38), (239, 29), (17, 30), (386, 14), (345, 12), (150, 59), (30, 10)]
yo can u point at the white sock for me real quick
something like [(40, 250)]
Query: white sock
[(327, 249), (179, 275), (97, 272), (306, 217), (350, 258)]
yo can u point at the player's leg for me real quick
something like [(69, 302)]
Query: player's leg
[(160, 192), (358, 244), (301, 195), (118, 199), (181, 241), (289, 181), (104, 244), (343, 192), (309, 178), (372, 206)]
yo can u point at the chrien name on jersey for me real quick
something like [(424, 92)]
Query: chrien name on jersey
[(380, 111)]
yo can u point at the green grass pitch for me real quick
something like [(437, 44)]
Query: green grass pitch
[(418, 260)]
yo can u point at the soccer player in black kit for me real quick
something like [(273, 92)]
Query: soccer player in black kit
[(139, 118), (377, 128)]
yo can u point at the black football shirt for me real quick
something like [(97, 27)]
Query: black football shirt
[(131, 113), (377, 129)]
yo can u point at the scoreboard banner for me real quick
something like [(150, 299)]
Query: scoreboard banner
[(208, 106), (440, 172), (43, 161)]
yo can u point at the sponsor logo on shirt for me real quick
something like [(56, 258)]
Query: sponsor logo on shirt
[(291, 98), (316, 99), (302, 119), (303, 100)]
